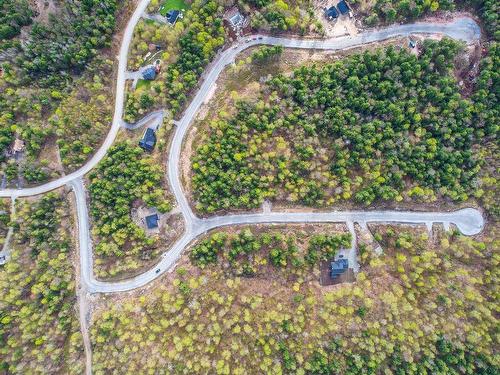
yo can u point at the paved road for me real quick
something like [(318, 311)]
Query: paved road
[(469, 221), (153, 119), (462, 28), (117, 118)]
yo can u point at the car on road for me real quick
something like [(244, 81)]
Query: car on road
[(157, 271)]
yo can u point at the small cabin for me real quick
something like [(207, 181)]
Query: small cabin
[(148, 140), (338, 267), (172, 16), (152, 221), (343, 7), (331, 13)]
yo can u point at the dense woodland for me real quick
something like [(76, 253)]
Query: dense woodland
[(39, 328), (389, 11), (42, 71), (383, 125), (14, 14), (126, 177), (246, 253), (423, 306)]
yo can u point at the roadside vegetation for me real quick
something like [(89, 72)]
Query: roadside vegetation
[(376, 126), (125, 178), (282, 16), (420, 307), (4, 219), (39, 328), (184, 57), (390, 11), (42, 70), (247, 254), (84, 117)]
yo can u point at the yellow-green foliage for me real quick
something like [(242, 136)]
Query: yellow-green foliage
[(419, 300), (39, 329)]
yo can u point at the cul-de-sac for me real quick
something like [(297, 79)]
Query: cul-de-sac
[(249, 187)]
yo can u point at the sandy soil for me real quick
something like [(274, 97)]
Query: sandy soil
[(343, 25)]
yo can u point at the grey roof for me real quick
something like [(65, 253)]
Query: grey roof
[(338, 267)]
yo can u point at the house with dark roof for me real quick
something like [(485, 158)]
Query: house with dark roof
[(343, 7), (152, 221), (149, 73), (172, 16), (338, 267), (331, 13), (148, 140)]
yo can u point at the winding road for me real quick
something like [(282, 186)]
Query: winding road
[(469, 221)]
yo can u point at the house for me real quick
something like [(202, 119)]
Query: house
[(338, 267), (152, 221), (331, 13), (149, 73), (148, 140), (235, 19), (343, 7), (172, 16)]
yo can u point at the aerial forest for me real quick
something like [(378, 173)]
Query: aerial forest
[(376, 126), (39, 328), (425, 305), (55, 61), (126, 177)]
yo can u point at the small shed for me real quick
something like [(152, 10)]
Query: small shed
[(148, 140), (152, 221), (343, 7), (172, 16), (331, 13)]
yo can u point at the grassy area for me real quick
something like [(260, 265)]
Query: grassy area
[(173, 4), (143, 84)]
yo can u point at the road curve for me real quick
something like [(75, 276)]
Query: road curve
[(115, 126), (464, 28), (155, 118), (468, 221)]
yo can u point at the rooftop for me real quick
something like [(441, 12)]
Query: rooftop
[(338, 267), (152, 221), (172, 16), (149, 73), (148, 140), (331, 13), (343, 7)]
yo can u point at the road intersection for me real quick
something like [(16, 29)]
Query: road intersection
[(469, 221)]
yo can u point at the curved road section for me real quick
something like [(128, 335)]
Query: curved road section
[(469, 221), (465, 29)]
